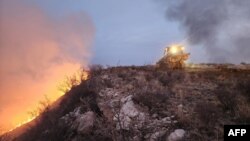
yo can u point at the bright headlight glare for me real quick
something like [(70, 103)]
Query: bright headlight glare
[(173, 50)]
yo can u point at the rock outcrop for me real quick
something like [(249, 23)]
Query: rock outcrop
[(177, 135), (84, 122)]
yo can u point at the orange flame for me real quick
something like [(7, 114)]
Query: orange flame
[(22, 123), (74, 80)]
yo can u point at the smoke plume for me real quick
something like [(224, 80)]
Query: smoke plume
[(221, 26), (36, 53)]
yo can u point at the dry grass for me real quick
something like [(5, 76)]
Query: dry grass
[(205, 108)]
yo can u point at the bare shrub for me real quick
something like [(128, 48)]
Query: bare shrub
[(164, 78), (208, 113), (122, 75), (95, 70), (205, 128), (244, 88), (170, 77), (236, 102), (44, 106), (49, 127), (120, 134), (72, 81), (154, 101), (185, 121), (227, 99), (242, 112), (149, 77), (94, 84), (108, 83), (105, 129)]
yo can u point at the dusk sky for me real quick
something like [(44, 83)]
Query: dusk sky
[(131, 32)]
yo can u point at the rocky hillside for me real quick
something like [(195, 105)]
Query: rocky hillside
[(145, 104)]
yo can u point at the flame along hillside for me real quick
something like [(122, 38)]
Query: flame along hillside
[(145, 103), (69, 82)]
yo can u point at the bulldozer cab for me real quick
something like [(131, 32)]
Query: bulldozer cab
[(174, 58), (174, 50)]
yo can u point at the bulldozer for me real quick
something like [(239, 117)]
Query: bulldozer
[(174, 58)]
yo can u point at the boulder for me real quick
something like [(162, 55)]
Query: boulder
[(155, 136), (177, 135), (127, 112), (166, 119), (84, 122)]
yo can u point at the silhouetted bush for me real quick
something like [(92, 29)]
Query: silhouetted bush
[(95, 70), (208, 113), (151, 100), (122, 75), (227, 99), (49, 128), (149, 77), (236, 102), (204, 126), (244, 88), (170, 77)]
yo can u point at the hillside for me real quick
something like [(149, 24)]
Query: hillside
[(142, 103)]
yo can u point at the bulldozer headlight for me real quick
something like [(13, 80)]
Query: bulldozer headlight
[(173, 50)]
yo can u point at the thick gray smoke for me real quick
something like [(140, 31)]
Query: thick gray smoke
[(221, 26)]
